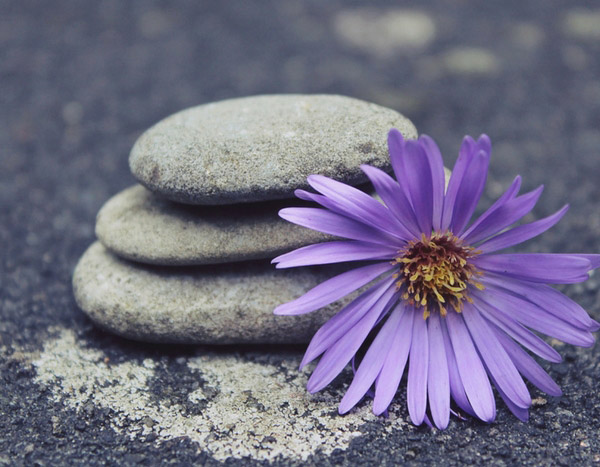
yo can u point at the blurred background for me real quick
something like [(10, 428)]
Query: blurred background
[(80, 81)]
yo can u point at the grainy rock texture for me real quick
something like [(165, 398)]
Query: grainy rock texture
[(140, 226), (262, 147), (219, 304)]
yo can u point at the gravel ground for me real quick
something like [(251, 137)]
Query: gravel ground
[(80, 81)]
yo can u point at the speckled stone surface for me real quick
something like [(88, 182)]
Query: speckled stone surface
[(262, 147), (225, 304), (140, 226)]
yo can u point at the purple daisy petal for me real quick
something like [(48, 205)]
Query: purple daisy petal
[(471, 370), (399, 232), (498, 363), (470, 191), (393, 368), (332, 205), (427, 421), (507, 298), (528, 367), (457, 390), (334, 252), (438, 177), (416, 391), (332, 223), (517, 331), (438, 382), (521, 233), (551, 268), (325, 202), (484, 143), (333, 289), (465, 157), (419, 184), (593, 259), (537, 319), (547, 298), (356, 203), (393, 196), (337, 356), (371, 364), (508, 195), (334, 329), (505, 215), (521, 413), (396, 150)]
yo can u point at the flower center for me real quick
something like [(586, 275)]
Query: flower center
[(435, 273)]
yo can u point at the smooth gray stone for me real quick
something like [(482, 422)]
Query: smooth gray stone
[(223, 304), (138, 225), (263, 147)]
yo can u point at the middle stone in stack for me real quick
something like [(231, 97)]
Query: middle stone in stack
[(199, 272)]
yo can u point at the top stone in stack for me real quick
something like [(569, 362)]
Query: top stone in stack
[(215, 177), (263, 148)]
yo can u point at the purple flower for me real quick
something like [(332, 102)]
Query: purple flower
[(445, 304)]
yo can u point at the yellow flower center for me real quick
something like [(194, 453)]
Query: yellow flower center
[(435, 273)]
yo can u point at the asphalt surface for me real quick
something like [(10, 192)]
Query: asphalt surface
[(79, 81)]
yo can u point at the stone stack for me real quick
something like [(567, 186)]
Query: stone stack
[(184, 257)]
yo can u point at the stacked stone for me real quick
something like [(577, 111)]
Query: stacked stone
[(184, 257)]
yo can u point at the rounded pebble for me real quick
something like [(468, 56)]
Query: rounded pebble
[(224, 304), (263, 147), (138, 225)]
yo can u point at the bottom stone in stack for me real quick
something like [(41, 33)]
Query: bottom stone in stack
[(218, 304)]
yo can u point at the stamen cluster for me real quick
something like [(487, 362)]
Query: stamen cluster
[(435, 272)]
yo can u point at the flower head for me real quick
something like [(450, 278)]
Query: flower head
[(441, 301)]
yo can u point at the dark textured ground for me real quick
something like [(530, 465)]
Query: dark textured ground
[(79, 81)]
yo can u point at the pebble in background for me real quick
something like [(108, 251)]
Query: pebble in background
[(248, 151)]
